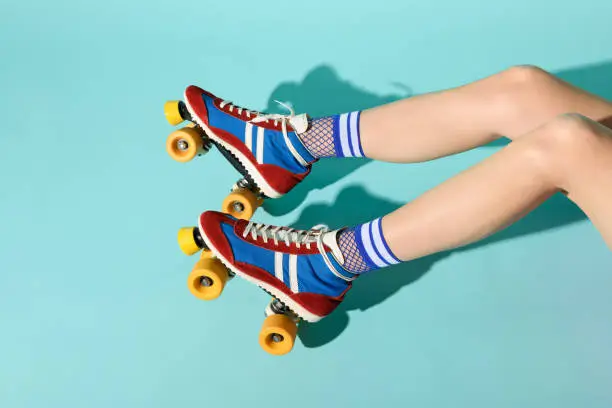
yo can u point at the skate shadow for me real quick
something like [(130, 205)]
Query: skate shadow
[(323, 92), (372, 289)]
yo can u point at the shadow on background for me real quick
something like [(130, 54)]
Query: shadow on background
[(595, 78), (371, 289), (322, 93)]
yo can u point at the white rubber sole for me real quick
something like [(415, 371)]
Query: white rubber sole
[(250, 168), (295, 307)]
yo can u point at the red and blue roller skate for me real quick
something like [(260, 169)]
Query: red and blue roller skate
[(301, 270), (264, 148)]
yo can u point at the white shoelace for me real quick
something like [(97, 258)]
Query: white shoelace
[(288, 236), (298, 122), (239, 110), (284, 235)]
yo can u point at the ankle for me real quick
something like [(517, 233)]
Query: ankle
[(353, 260), (334, 136), (319, 138), (365, 248)]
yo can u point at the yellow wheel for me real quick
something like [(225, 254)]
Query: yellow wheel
[(277, 335), (173, 113), (207, 279), (184, 144), (206, 254), (241, 203), (187, 242)]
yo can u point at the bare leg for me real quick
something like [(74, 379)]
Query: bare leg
[(570, 153), (510, 103)]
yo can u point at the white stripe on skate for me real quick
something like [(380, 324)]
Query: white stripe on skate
[(278, 265), (248, 136), (260, 145), (293, 279)]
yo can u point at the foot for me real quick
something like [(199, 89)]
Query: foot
[(300, 268), (267, 147)]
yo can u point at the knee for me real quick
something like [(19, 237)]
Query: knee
[(570, 135), (522, 86), (565, 141), (526, 75), (572, 127)]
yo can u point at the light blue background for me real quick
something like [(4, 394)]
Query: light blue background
[(94, 308)]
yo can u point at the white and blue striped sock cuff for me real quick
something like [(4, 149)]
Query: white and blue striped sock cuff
[(373, 246), (347, 137)]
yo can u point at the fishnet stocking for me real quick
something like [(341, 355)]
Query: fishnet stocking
[(353, 261), (319, 139)]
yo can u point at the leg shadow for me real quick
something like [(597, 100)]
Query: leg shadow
[(372, 289), (557, 212), (594, 78)]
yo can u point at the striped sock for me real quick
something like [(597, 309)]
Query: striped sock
[(365, 248), (334, 136)]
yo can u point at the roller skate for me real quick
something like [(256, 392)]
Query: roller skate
[(264, 148), (301, 270)]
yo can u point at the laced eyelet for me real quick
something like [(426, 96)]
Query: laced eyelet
[(297, 123), (291, 236)]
